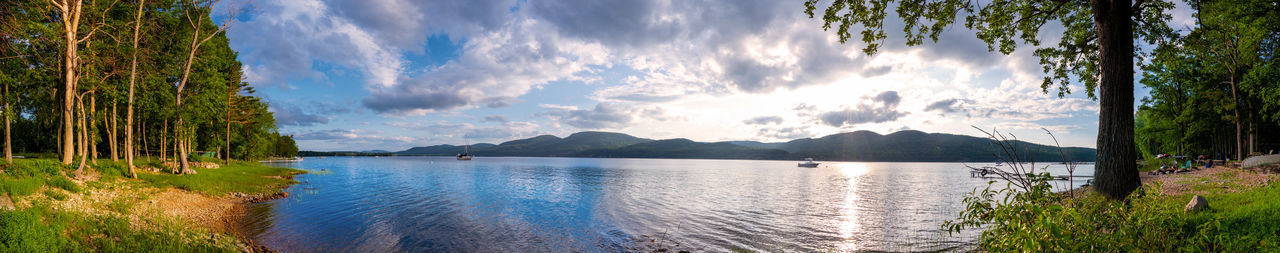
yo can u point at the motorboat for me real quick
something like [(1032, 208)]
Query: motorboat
[(808, 163)]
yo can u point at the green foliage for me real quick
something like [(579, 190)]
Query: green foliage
[(121, 205), (244, 177), (21, 187), (1044, 221), (64, 183), (1002, 25)]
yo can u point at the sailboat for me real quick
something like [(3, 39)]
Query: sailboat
[(466, 153)]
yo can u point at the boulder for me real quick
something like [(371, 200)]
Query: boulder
[(1197, 203), (6, 204)]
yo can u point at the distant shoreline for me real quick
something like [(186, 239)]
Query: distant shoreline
[(682, 158)]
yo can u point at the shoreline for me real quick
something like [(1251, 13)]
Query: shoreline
[(205, 211)]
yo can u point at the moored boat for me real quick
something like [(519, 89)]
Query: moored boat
[(809, 163)]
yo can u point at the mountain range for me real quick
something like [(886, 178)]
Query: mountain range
[(902, 146)]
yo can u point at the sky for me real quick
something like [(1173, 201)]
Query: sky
[(393, 74)]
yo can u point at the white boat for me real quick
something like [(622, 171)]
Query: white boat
[(808, 163), (466, 153)]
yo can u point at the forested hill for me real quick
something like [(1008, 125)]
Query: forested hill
[(904, 146)]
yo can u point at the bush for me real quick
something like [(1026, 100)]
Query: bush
[(64, 183), (21, 187)]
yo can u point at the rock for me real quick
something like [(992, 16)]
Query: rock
[(1197, 203), (6, 203)]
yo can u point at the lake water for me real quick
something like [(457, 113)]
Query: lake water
[(506, 204)]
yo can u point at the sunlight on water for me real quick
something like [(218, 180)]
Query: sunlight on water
[(416, 204), (849, 210)]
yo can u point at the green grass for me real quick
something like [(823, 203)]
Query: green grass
[(56, 195), (64, 183), (1235, 221), (40, 229), (244, 177), (21, 187)]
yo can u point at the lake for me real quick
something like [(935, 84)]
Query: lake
[(504, 204)]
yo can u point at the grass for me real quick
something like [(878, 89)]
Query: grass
[(64, 183), (1240, 218), (244, 177), (21, 187), (56, 195), (40, 229)]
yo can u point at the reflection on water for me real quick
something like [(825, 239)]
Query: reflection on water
[(577, 204)]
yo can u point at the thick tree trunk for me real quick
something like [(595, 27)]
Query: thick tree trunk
[(133, 73), (70, 14), (1116, 174)]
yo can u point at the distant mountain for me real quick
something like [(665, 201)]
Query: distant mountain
[(685, 148), (903, 146), (916, 146)]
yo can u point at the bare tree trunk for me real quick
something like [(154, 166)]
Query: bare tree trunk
[(1236, 109), (133, 73), (164, 142), (83, 138), (1116, 174), (70, 14), (91, 132), (112, 130), (8, 142)]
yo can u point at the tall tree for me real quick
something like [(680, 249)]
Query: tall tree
[(1097, 47), (133, 76), (196, 14)]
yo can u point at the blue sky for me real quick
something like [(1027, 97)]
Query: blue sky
[(393, 74)]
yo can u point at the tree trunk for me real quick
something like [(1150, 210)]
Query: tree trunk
[(133, 73), (112, 130), (70, 24), (164, 142), (91, 133), (1236, 109), (1116, 174), (83, 140), (8, 142)]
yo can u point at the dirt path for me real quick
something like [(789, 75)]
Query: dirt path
[(1222, 178)]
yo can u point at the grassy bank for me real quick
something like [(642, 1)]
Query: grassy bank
[(108, 212), (1242, 215)]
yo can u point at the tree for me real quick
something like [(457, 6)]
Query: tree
[(239, 110), (133, 77), (1097, 47), (202, 9)]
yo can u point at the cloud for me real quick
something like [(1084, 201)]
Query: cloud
[(943, 106), (288, 115), (606, 115), (763, 120), (785, 133), (495, 118), (878, 109)]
